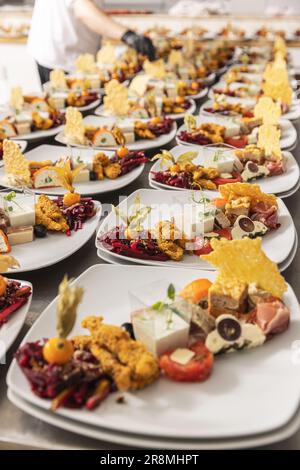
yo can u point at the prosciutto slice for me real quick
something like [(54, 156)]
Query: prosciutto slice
[(275, 167), (272, 316), (266, 214)]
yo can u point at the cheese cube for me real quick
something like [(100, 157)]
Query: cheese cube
[(129, 137), (83, 176), (223, 161), (20, 214), (160, 331), (19, 235)]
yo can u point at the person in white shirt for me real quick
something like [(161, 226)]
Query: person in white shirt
[(63, 29)]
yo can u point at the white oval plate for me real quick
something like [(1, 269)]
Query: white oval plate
[(136, 440), (138, 145), (10, 330), (227, 405), (54, 152), (291, 115), (55, 247), (39, 135), (272, 185), (176, 117), (288, 132), (88, 107), (209, 80), (277, 244), (101, 91)]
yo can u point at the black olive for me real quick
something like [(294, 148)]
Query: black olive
[(252, 167), (246, 224), (129, 328), (93, 176), (40, 231), (229, 329)]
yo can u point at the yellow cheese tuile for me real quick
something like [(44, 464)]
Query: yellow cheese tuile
[(74, 128), (156, 69), (267, 110), (16, 99), (85, 63), (116, 100), (16, 166), (244, 261), (232, 191), (269, 140), (58, 79)]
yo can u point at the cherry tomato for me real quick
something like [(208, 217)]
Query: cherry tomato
[(197, 369), (239, 142), (224, 233), (205, 249), (236, 178), (58, 351)]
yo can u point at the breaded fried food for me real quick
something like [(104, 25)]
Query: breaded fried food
[(49, 214), (128, 362)]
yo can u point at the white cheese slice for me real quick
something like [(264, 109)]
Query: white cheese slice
[(224, 162), (20, 215), (83, 176), (160, 331), (182, 356)]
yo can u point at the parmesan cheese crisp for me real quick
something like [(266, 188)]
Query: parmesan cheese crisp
[(16, 166), (16, 99), (116, 100), (107, 55), (244, 261), (74, 128), (85, 63), (175, 58), (269, 140), (267, 110), (58, 79), (155, 69)]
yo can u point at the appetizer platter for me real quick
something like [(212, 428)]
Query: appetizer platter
[(110, 133), (15, 303), (250, 81), (175, 229), (30, 117), (235, 131), (209, 167), (52, 229), (96, 171), (121, 102), (88, 77), (265, 287)]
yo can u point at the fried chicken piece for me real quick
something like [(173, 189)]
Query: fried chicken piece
[(40, 122), (127, 361), (112, 171), (120, 373), (170, 248), (49, 214), (101, 158)]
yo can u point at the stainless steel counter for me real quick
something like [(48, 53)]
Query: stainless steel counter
[(19, 430)]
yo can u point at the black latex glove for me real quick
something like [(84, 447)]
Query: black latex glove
[(140, 43)]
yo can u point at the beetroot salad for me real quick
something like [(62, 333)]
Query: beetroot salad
[(80, 383), (131, 161), (13, 297), (143, 248), (78, 213)]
